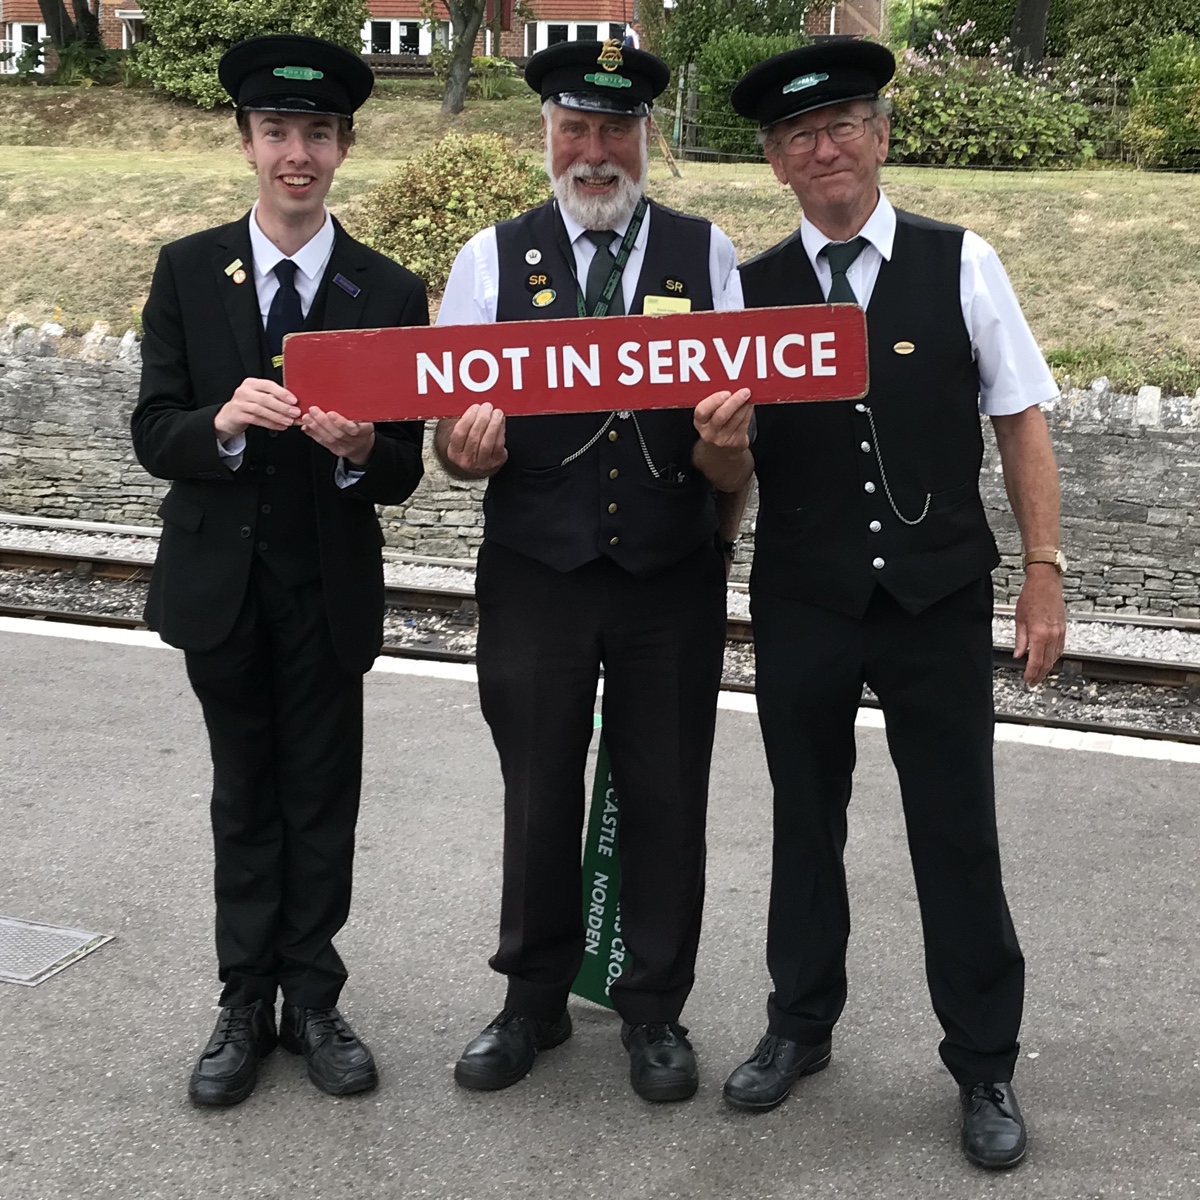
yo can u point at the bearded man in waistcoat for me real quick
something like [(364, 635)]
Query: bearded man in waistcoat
[(872, 565), (602, 547), (269, 574)]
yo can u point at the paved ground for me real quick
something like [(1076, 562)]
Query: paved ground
[(103, 826)]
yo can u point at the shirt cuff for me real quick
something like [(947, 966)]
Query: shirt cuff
[(345, 475), (231, 451)]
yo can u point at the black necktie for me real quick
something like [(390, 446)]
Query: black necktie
[(285, 314), (840, 256), (599, 269)]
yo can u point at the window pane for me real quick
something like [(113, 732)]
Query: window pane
[(410, 38), (586, 33), (555, 34), (530, 40), (381, 37)]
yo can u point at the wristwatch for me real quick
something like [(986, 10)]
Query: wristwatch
[(1053, 556), (730, 549)]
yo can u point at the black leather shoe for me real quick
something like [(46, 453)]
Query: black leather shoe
[(227, 1069), (662, 1063), (766, 1077), (338, 1063), (503, 1053), (993, 1131)]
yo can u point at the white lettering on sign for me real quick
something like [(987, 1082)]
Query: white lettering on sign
[(733, 366), (573, 361), (822, 358), (608, 825), (426, 370), (691, 355), (595, 917), (781, 365), (515, 356), (633, 369), (656, 362), (488, 381)]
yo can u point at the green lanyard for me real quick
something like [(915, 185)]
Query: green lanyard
[(621, 258)]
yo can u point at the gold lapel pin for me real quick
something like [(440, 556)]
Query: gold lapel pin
[(239, 276), (904, 347)]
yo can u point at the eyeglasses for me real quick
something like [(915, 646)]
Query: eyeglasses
[(804, 141)]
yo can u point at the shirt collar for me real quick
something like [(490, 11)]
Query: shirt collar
[(575, 231), (310, 258), (879, 230)]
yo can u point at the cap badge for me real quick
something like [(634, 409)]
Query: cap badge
[(804, 81), (305, 73), (614, 81), (610, 55)]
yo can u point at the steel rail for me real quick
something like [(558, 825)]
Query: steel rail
[(1082, 665)]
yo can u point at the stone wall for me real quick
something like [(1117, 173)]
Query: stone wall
[(1130, 469)]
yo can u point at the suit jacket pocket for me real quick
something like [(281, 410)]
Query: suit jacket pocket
[(182, 513)]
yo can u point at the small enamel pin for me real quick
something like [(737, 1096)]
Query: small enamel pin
[(533, 257), (235, 271), (544, 297), (904, 347), (349, 288)]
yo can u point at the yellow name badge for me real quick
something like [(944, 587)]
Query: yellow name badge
[(660, 306)]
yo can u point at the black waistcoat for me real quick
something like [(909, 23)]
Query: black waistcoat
[(830, 483), (285, 528), (607, 500)]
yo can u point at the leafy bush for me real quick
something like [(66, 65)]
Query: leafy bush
[(1115, 36), (720, 63), (424, 212), (1164, 107), (955, 110), (186, 38), (498, 77), (694, 23), (992, 23)]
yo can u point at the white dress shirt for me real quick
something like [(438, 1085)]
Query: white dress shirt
[(1013, 374), (311, 260), (474, 283)]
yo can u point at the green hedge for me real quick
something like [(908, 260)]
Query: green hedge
[(424, 212), (956, 110), (186, 38), (720, 63), (1164, 107)]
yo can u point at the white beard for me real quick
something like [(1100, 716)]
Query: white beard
[(599, 212)]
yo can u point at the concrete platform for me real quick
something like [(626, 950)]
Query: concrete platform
[(103, 825)]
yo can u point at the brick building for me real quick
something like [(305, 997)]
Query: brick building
[(398, 27)]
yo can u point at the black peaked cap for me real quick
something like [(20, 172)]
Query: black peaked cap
[(812, 77), (292, 73), (598, 77)]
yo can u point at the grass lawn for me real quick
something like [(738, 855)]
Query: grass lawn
[(92, 181)]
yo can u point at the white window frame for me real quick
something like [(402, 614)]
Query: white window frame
[(12, 41), (424, 38), (572, 30)]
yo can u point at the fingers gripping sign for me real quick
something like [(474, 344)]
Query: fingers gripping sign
[(723, 420), (475, 445), (351, 440), (259, 402)]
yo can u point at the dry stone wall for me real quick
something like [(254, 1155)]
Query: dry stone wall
[(1130, 469)]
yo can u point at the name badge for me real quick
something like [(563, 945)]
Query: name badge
[(660, 306)]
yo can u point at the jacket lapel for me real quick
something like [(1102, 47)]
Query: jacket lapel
[(347, 283), (240, 299)]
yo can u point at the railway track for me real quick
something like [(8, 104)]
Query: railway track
[(1073, 667)]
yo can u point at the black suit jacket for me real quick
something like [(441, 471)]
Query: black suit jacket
[(203, 336)]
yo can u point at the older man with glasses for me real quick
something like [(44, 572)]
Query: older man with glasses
[(872, 564)]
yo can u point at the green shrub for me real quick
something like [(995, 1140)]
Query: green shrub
[(991, 22), (1164, 108), (424, 212), (955, 110), (720, 63), (186, 38), (498, 77), (1115, 36)]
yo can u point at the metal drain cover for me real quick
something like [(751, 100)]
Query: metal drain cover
[(31, 952)]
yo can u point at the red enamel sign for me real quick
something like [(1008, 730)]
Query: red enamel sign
[(808, 352)]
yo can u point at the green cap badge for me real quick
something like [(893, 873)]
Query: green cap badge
[(804, 81), (614, 81), (298, 73)]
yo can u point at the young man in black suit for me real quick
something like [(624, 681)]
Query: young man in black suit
[(269, 575)]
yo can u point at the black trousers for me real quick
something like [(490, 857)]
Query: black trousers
[(543, 635), (285, 726), (933, 676)]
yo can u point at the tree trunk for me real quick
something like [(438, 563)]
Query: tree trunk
[(465, 18), (59, 29), (87, 24), (1028, 32)]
